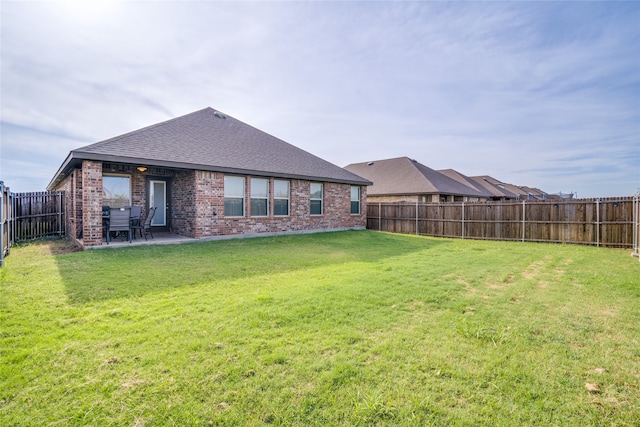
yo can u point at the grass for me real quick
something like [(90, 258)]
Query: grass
[(351, 328)]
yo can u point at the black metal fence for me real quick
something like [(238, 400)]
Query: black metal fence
[(26, 216)]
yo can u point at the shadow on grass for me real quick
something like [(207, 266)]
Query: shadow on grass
[(91, 276)]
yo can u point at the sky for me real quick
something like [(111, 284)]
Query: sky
[(540, 94)]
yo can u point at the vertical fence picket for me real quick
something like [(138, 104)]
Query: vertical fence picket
[(25, 216), (524, 203), (599, 222), (4, 235), (462, 220)]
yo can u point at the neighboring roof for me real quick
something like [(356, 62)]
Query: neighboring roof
[(495, 190), (534, 192), (463, 179), (514, 189), (403, 175), (212, 141)]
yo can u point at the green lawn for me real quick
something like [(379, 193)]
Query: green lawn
[(331, 329)]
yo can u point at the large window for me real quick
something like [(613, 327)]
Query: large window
[(355, 200), (233, 196), (116, 191), (316, 198), (281, 198), (259, 197)]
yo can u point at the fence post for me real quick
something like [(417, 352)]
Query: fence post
[(379, 216), (524, 203), (60, 228), (2, 228), (636, 227), (463, 220), (597, 222), (416, 218), (13, 222)]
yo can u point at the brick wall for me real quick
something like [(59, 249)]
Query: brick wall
[(72, 187), (91, 203), (197, 204), (336, 209), (67, 185), (183, 200), (77, 202)]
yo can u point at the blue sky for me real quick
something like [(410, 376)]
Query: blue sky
[(542, 94)]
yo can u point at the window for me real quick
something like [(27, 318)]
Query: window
[(259, 197), (280, 198), (316, 198), (116, 191), (355, 200), (233, 196)]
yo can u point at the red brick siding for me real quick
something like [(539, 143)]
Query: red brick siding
[(91, 203), (183, 196), (196, 196), (67, 186), (336, 210)]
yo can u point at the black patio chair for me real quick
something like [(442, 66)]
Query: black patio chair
[(136, 211), (146, 226), (119, 220)]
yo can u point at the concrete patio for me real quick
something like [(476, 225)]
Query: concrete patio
[(159, 238)]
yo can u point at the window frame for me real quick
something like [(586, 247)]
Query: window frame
[(277, 198), (355, 187), (235, 197), (265, 198), (117, 175), (315, 199)]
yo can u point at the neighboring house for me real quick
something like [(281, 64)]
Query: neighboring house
[(491, 192), (405, 180), (535, 193), (498, 192), (512, 192), (208, 174)]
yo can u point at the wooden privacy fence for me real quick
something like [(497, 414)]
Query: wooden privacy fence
[(25, 216), (610, 222)]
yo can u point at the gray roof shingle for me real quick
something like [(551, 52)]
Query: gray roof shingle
[(210, 140), (492, 185), (403, 175)]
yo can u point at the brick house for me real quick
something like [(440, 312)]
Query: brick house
[(208, 174)]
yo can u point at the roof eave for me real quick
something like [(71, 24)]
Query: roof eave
[(61, 173), (76, 157)]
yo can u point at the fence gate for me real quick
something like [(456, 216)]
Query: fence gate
[(26, 216)]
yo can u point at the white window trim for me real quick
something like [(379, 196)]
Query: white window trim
[(260, 198), (359, 200), (288, 198), (244, 196), (321, 199)]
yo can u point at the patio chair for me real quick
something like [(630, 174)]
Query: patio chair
[(119, 220), (136, 211), (146, 226), (106, 213)]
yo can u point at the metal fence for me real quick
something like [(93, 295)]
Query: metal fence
[(26, 216), (612, 222)]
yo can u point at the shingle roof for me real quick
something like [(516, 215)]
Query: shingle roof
[(534, 192), (463, 179), (403, 175), (493, 186), (213, 141)]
